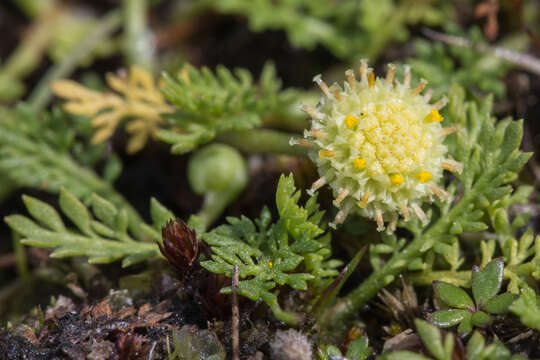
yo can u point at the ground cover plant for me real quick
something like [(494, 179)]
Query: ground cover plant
[(266, 179)]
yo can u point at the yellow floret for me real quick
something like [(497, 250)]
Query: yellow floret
[(434, 116), (359, 164), (362, 203), (350, 121), (396, 179), (424, 176), (326, 153)]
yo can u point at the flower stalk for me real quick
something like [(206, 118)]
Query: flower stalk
[(264, 141), (350, 304), (137, 41)]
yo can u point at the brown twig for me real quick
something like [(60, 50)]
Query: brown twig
[(489, 9), (534, 38), (168, 36), (235, 316), (525, 61)]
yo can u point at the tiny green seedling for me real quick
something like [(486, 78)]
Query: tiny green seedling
[(444, 348), (358, 350), (479, 309)]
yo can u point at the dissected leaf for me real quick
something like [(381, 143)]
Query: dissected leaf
[(289, 252), (102, 239), (527, 308)]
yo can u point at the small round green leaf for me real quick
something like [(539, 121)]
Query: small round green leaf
[(500, 303), (448, 318), (466, 324), (452, 295), (487, 283), (480, 318), (359, 349)]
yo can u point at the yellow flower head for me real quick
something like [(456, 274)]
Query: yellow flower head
[(379, 146)]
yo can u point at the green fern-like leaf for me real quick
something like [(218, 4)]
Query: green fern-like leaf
[(443, 65), (212, 103), (269, 255), (39, 151), (100, 234), (348, 28)]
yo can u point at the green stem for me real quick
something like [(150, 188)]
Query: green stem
[(463, 278), (350, 304), (458, 278), (287, 317), (20, 257), (35, 8), (25, 58), (137, 41), (103, 29), (287, 122), (27, 55), (12, 296), (263, 141), (213, 206)]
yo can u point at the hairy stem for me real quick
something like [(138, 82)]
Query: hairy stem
[(263, 141)]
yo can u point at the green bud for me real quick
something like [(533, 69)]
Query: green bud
[(217, 168), (219, 173)]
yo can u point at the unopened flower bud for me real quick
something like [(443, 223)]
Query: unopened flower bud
[(180, 246)]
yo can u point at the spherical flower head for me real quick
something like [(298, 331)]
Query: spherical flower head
[(378, 143)]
